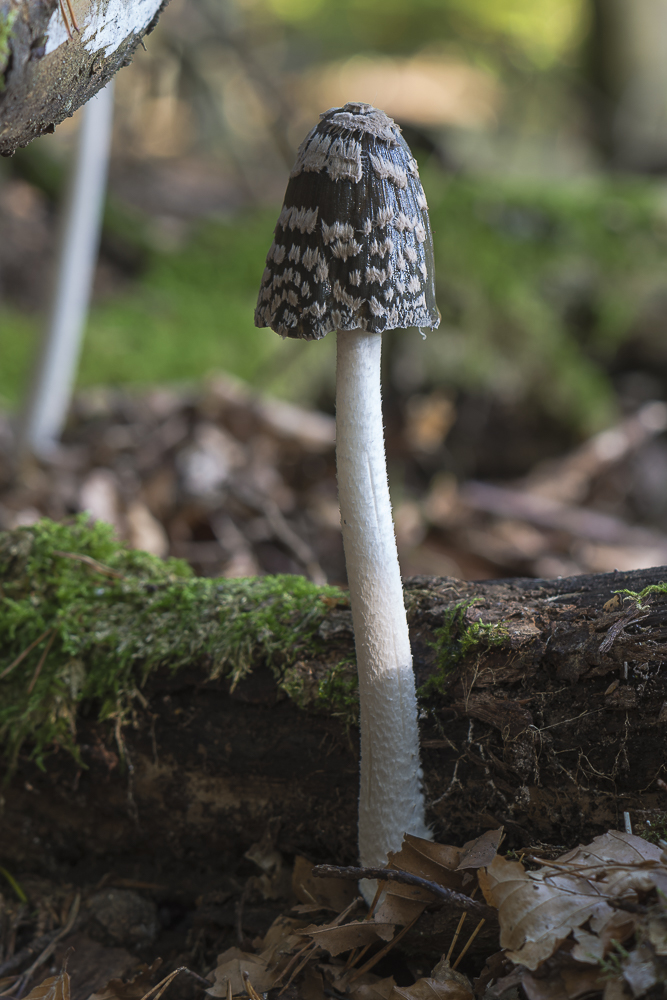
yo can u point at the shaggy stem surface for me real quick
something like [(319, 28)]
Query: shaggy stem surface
[(390, 798)]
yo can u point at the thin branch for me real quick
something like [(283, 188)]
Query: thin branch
[(406, 878), (22, 656), (24, 978), (89, 561), (387, 948), (42, 661)]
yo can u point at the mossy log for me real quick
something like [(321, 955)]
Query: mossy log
[(55, 56), (544, 705)]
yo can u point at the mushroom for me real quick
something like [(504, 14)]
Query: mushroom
[(353, 252)]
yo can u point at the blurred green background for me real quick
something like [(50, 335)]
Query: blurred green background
[(538, 125)]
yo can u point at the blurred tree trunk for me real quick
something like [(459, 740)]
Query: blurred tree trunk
[(56, 54), (626, 72)]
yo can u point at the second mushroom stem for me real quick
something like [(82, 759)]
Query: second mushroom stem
[(390, 797)]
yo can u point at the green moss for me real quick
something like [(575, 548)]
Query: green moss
[(102, 617), (6, 25), (638, 597), (655, 830), (455, 638), (339, 691)]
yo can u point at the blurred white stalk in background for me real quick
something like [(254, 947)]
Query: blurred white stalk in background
[(55, 367)]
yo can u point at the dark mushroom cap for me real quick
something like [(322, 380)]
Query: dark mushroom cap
[(353, 246)]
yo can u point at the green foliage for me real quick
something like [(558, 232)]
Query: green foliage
[(638, 597), (15, 886), (655, 831), (514, 263), (6, 25), (107, 616), (540, 31), (339, 691), (452, 642), (202, 296)]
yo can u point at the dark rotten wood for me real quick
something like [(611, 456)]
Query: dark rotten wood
[(554, 732)]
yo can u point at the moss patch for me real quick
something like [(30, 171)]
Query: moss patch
[(455, 638), (84, 619), (639, 597)]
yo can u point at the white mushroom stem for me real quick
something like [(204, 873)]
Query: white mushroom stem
[(390, 797)]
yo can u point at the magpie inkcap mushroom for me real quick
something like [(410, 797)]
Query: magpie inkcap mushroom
[(352, 247), (353, 253)]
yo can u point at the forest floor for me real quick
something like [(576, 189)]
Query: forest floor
[(237, 483)]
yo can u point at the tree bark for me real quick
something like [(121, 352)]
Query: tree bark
[(553, 726), (625, 72), (50, 68)]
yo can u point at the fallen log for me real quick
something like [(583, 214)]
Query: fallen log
[(544, 705)]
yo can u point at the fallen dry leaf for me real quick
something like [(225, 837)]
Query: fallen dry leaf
[(431, 989), (562, 979), (592, 948), (656, 930), (380, 989), (535, 914), (559, 924), (443, 973), (480, 852), (627, 864), (643, 969), (328, 892), (282, 937), (435, 862), (54, 988), (616, 989), (133, 989), (232, 964), (444, 983), (357, 934), (311, 986)]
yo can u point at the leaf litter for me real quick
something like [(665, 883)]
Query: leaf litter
[(591, 923)]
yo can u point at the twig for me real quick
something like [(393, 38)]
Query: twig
[(334, 923), (249, 988), (629, 618), (48, 951), (22, 656), (72, 15), (456, 935), (89, 561), (240, 937), (383, 951), (293, 960), (64, 17), (42, 661), (162, 985), (406, 878), (284, 532), (469, 942), (358, 953), (25, 953), (304, 961)]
